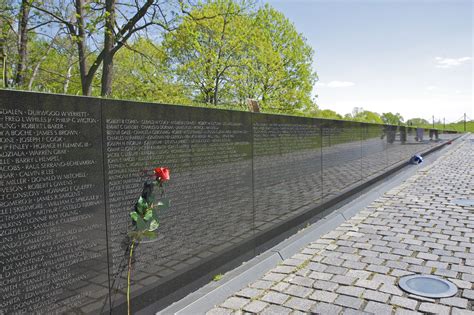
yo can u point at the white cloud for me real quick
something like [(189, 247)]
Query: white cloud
[(451, 62), (336, 84), (431, 88)]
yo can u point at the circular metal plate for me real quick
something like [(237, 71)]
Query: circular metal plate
[(428, 286), (464, 202)]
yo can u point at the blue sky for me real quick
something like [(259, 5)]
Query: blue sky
[(412, 57)]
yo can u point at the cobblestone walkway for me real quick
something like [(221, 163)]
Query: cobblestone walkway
[(414, 228)]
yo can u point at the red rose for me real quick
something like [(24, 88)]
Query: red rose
[(162, 174)]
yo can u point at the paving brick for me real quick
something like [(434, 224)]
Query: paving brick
[(351, 311), (276, 310), (378, 268), (219, 311), (359, 274), (404, 302), (348, 301), (271, 276), (320, 275), (402, 311), (275, 297), (336, 270), (434, 308), (457, 311), (284, 269), (325, 285), (323, 296), (255, 307), (235, 303), (427, 256), (368, 284), (391, 289), (376, 296), (303, 281), (325, 308), (250, 293), (262, 284), (298, 291), (343, 279), (280, 286), (351, 291), (378, 308), (299, 304), (468, 294), (455, 301)]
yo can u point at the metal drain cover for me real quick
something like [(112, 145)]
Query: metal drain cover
[(464, 202), (428, 286)]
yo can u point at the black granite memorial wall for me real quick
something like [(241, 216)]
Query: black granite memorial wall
[(72, 168)]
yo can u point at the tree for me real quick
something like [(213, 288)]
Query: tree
[(98, 31), (203, 53), (368, 117), (392, 119), (142, 74), (241, 55), (417, 122), (359, 114), (328, 114), (280, 74)]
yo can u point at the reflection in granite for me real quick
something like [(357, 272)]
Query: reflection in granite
[(209, 155), (341, 156), (52, 226), (74, 168), (286, 166)]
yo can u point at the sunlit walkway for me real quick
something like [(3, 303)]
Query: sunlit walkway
[(418, 227)]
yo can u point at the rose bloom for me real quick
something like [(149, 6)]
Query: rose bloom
[(162, 174)]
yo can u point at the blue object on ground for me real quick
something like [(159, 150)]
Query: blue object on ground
[(416, 159)]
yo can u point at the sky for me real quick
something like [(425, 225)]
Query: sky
[(408, 56)]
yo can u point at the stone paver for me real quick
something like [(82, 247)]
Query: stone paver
[(354, 269)]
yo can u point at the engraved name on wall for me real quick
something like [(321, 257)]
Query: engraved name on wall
[(48, 200)]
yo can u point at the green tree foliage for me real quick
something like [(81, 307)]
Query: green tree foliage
[(141, 68), (280, 74), (204, 53), (240, 55), (361, 115), (328, 114), (392, 119), (368, 116), (417, 122)]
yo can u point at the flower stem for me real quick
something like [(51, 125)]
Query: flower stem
[(129, 274)]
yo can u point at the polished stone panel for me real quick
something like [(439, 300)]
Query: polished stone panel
[(52, 224), (341, 156), (287, 167), (374, 158), (72, 169), (209, 155)]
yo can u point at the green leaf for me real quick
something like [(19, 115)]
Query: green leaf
[(141, 205), (134, 216), (149, 234), (153, 225), (148, 214), (141, 225)]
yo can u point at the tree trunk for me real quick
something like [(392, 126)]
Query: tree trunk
[(68, 78), (86, 81), (216, 90), (38, 65), (22, 42), (108, 62), (3, 56)]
